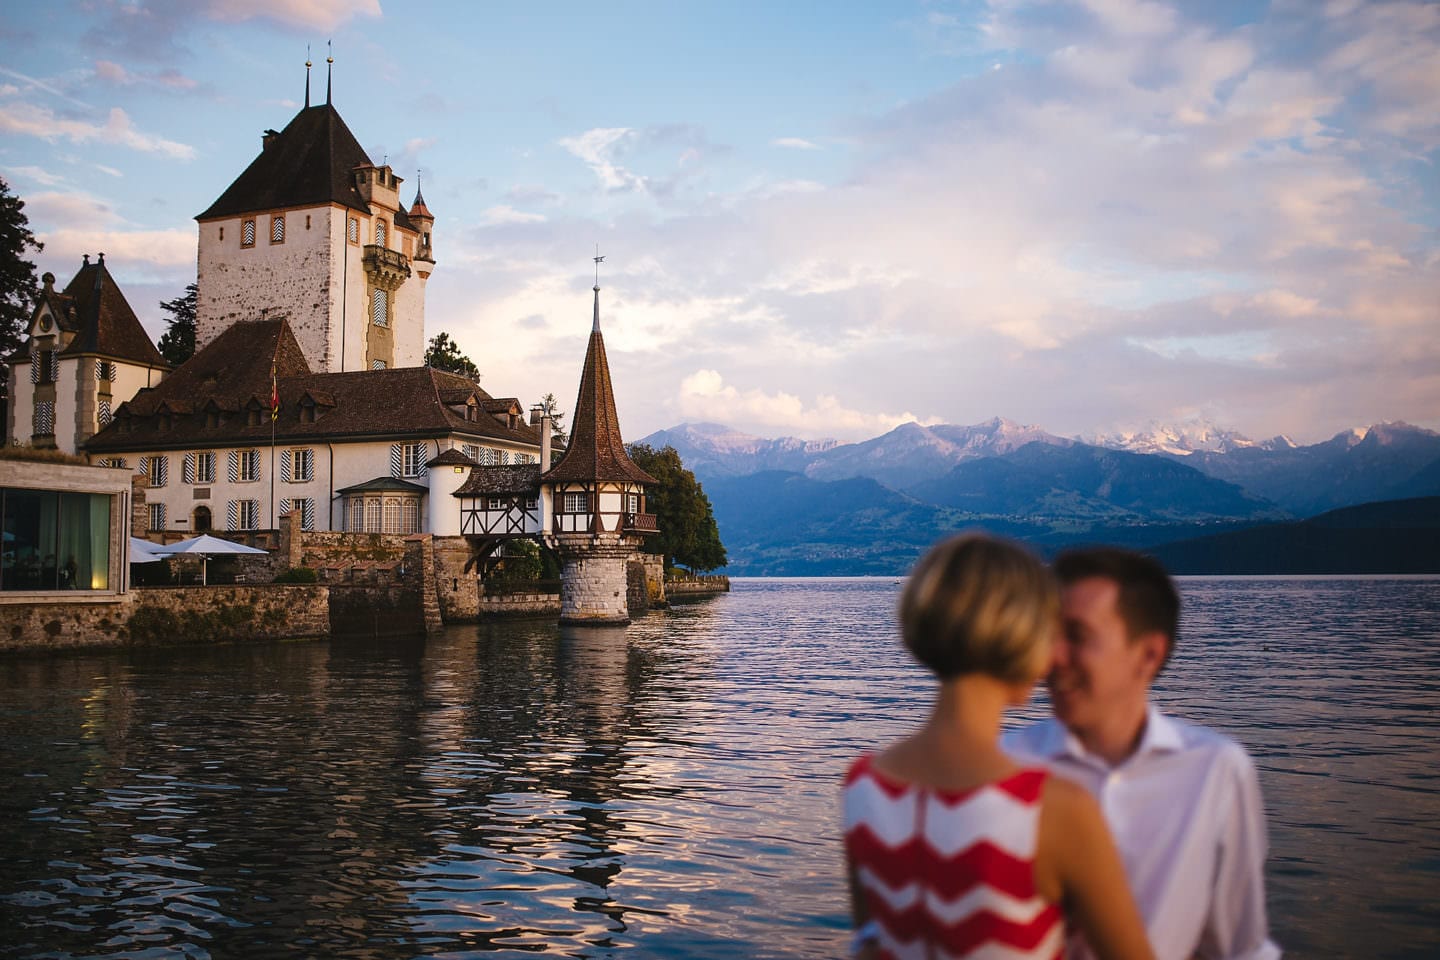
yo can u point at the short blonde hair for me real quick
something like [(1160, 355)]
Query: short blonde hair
[(978, 604)]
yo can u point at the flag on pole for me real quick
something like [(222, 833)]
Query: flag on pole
[(274, 393)]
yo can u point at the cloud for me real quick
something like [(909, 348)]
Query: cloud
[(321, 15), (795, 143), (37, 121), (71, 224), (43, 177), (503, 213), (169, 78), (676, 153), (704, 395)]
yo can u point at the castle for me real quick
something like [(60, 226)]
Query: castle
[(306, 392)]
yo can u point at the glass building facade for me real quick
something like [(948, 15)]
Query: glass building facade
[(54, 541)]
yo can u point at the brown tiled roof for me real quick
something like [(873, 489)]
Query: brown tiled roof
[(93, 308), (233, 372), (451, 457), (514, 478), (596, 451), (312, 161), (380, 484)]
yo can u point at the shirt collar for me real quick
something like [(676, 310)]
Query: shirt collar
[(1162, 735)]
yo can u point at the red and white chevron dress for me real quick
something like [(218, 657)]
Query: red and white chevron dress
[(949, 874)]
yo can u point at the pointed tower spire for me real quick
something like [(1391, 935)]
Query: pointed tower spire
[(596, 450), (308, 65), (329, 69), (595, 326)]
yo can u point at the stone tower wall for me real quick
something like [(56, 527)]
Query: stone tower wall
[(291, 279)]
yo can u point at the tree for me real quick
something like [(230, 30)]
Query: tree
[(18, 287), (177, 344), (444, 354), (688, 534), (548, 403)]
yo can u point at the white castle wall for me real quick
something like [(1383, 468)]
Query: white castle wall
[(290, 279)]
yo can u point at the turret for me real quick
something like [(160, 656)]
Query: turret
[(424, 221)]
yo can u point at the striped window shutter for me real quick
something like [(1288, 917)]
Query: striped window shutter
[(99, 369), (187, 469), (307, 514), (285, 466), (105, 414), (162, 471), (142, 465), (233, 462), (54, 365), (397, 459), (232, 514), (34, 365), (421, 470)]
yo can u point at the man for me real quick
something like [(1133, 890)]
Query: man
[(1182, 801)]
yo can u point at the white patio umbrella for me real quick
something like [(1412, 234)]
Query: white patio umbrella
[(143, 551), (204, 546)]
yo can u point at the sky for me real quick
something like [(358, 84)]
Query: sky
[(819, 219)]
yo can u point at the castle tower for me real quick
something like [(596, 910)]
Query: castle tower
[(598, 517), (315, 232), (85, 353)]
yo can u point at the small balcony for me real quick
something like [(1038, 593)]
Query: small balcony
[(386, 268), (641, 523)]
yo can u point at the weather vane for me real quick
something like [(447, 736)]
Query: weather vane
[(598, 260)]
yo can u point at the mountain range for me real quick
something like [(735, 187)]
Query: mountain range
[(790, 506)]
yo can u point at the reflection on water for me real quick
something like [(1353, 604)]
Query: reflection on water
[(669, 789)]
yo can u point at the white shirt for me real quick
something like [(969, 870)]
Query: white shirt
[(1186, 815)]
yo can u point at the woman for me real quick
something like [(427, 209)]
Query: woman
[(953, 849)]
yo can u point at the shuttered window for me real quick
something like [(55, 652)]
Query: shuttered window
[(247, 233), (380, 308), (277, 229)]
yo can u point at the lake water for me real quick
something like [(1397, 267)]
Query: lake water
[(665, 790)]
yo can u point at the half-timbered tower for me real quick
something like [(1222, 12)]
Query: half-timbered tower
[(597, 495)]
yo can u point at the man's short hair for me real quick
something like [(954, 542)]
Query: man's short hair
[(1148, 599), (977, 604)]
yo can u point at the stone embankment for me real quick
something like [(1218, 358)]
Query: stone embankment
[(696, 586), (169, 615)]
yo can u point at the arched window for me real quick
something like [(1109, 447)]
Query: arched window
[(392, 515), (412, 516), (202, 519), (372, 516)]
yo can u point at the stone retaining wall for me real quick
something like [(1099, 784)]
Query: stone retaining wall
[(169, 615), (696, 586), (520, 605)]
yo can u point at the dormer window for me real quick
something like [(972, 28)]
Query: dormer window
[(247, 233), (277, 229), (252, 415)]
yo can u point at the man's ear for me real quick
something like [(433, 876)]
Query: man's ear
[(1153, 649)]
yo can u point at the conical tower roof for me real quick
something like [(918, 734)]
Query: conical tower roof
[(596, 451), (102, 319), (312, 161)]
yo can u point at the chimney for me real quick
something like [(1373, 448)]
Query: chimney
[(267, 138), (535, 412), (545, 431)]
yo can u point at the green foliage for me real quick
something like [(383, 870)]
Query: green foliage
[(522, 563), (177, 344), (18, 287), (550, 405), (153, 625), (688, 534), (298, 575), (442, 353)]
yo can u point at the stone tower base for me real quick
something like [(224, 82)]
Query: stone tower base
[(593, 582)]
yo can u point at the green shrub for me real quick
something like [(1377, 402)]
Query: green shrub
[(298, 575)]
